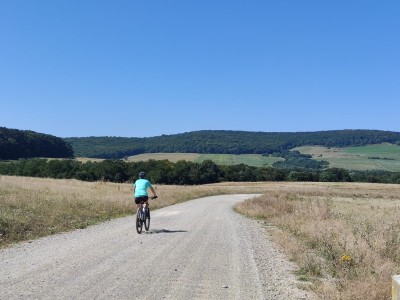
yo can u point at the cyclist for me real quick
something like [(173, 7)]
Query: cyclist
[(140, 189)]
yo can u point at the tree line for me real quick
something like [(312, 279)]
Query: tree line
[(15, 144), (225, 142), (183, 172)]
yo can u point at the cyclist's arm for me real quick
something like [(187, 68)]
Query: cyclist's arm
[(153, 191)]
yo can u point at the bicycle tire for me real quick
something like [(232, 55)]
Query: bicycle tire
[(139, 223), (147, 220)]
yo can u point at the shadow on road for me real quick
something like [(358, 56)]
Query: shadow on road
[(165, 231)]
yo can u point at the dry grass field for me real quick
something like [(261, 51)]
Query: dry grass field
[(343, 236)]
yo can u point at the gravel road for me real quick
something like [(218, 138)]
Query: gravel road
[(199, 249)]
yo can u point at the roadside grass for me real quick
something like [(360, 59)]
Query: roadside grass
[(33, 207), (345, 238), (370, 157)]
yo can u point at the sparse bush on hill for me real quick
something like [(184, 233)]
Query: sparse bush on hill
[(294, 160)]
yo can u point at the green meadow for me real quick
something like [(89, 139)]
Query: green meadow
[(379, 156)]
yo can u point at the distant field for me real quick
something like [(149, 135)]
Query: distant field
[(371, 157), (255, 160), (379, 157), (86, 159), (172, 157)]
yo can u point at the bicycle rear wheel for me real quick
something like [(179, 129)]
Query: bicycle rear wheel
[(147, 220), (139, 223)]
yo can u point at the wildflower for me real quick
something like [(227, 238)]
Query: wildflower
[(346, 259)]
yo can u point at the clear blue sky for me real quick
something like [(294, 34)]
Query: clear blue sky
[(130, 68)]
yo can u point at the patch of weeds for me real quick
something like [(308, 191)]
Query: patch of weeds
[(303, 275)]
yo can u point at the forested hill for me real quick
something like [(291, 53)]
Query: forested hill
[(228, 142), (15, 144)]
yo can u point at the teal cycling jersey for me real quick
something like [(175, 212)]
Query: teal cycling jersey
[(141, 186)]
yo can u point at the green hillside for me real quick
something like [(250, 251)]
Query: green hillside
[(226, 142), (16, 144), (370, 157)]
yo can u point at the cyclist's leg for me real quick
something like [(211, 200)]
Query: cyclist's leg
[(137, 201), (147, 206)]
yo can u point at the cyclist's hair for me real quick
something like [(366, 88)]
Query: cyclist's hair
[(142, 174)]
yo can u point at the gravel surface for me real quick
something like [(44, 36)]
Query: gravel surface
[(199, 249)]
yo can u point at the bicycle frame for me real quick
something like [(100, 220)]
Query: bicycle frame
[(143, 210), (143, 216)]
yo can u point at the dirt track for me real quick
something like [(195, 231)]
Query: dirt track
[(200, 249)]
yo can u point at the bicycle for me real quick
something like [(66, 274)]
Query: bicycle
[(143, 216)]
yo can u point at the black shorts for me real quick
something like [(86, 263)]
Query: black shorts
[(141, 199)]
